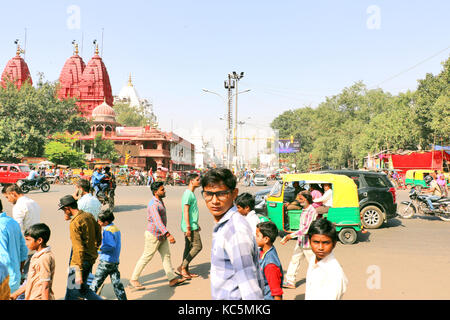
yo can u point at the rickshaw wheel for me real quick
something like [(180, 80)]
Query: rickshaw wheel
[(347, 236)]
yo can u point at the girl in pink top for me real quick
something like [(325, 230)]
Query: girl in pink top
[(316, 192)]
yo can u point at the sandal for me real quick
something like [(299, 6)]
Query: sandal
[(136, 285), (289, 285), (175, 282)]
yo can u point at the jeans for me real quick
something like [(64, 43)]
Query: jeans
[(192, 247), (104, 270), (77, 292), (430, 199)]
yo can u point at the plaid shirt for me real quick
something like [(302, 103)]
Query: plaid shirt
[(306, 218), (157, 218), (235, 271)]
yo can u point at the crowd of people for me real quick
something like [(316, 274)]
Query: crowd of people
[(244, 259)]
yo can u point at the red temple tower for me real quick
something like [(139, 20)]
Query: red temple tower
[(88, 83), (16, 70), (94, 86), (70, 76)]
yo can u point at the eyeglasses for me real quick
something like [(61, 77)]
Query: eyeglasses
[(220, 195)]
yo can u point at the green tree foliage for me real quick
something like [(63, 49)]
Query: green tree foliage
[(60, 150), (103, 149), (30, 115), (131, 116), (344, 128)]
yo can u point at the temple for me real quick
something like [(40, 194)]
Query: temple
[(16, 71)]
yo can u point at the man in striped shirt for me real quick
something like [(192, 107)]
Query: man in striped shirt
[(157, 238), (235, 272)]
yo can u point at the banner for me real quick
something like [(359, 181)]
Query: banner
[(288, 146)]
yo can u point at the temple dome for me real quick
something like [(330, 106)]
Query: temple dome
[(104, 113), (17, 71)]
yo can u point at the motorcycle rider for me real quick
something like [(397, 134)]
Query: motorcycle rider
[(96, 179), (435, 189), (33, 176)]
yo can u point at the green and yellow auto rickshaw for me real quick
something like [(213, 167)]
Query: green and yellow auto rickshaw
[(344, 211), (415, 178)]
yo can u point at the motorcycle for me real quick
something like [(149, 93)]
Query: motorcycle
[(419, 204), (106, 197), (28, 185)]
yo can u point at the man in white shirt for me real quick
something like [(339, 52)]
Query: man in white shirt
[(326, 199), (86, 201), (33, 175), (25, 210), (325, 279)]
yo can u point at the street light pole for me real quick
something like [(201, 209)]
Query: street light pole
[(236, 77), (229, 86)]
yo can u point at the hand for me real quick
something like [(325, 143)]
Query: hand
[(286, 239), (188, 233), (171, 239)]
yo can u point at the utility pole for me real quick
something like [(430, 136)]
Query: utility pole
[(229, 85), (236, 77)]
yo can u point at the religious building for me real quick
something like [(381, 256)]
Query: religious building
[(16, 70), (147, 146)]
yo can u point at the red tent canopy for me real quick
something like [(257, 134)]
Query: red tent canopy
[(420, 160)]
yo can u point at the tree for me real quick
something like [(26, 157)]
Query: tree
[(60, 151), (132, 116), (29, 115)]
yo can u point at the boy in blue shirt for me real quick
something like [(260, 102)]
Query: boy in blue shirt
[(109, 255), (266, 233)]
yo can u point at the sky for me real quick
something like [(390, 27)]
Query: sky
[(292, 53)]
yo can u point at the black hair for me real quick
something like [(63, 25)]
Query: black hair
[(38, 230), (107, 169), (268, 229), (1, 206), (307, 196), (84, 184), (191, 176), (245, 200), (14, 188), (106, 216), (219, 176), (323, 227), (155, 186), (315, 186)]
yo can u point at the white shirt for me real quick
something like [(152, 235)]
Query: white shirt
[(326, 199), (26, 212), (325, 280), (252, 220)]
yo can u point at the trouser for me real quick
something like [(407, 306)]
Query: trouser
[(294, 265), (192, 246), (104, 270), (75, 291), (430, 199), (151, 245), (322, 210)]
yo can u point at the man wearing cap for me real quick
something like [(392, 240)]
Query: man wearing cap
[(86, 237)]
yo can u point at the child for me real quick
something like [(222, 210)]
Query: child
[(245, 204), (325, 279), (266, 233), (42, 265), (109, 255)]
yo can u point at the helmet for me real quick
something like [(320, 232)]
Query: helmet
[(428, 179)]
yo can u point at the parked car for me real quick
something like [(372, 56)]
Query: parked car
[(260, 179), (11, 172), (377, 197)]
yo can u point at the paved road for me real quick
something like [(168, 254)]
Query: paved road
[(404, 259)]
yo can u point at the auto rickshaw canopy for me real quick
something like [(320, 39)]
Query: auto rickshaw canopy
[(345, 191)]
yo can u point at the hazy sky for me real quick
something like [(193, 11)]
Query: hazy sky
[(293, 53)]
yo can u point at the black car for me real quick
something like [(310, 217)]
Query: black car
[(377, 198)]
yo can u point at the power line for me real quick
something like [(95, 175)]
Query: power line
[(410, 68)]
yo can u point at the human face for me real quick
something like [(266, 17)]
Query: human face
[(102, 224), (322, 245), (12, 197), (260, 239), (196, 182), (302, 200), (243, 211), (161, 192), (218, 207), (33, 244), (67, 213)]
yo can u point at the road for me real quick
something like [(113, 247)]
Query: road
[(404, 259)]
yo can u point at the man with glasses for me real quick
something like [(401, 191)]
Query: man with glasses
[(235, 271)]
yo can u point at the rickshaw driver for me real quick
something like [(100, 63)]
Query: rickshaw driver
[(326, 199)]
